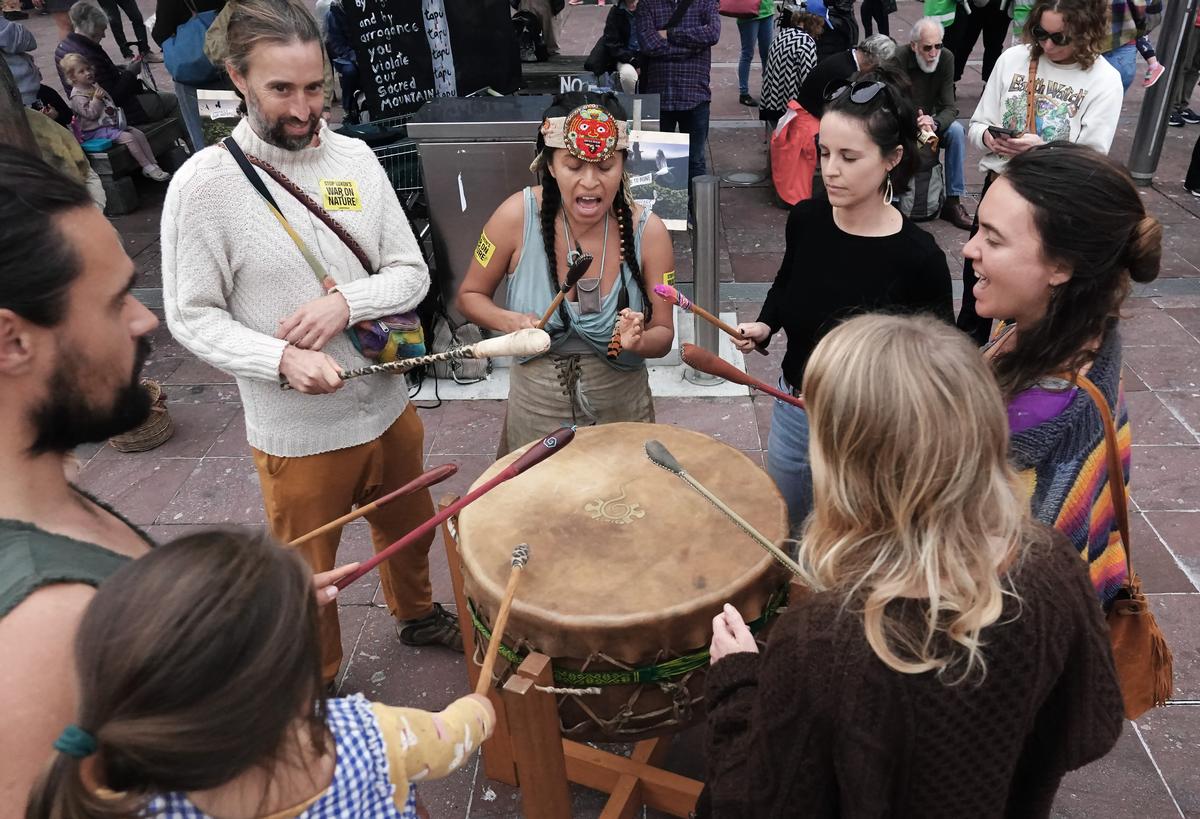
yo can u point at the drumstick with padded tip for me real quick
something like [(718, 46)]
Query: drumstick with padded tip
[(537, 453), (520, 557), (520, 343), (701, 359), (574, 274), (660, 455), (672, 296), (422, 481)]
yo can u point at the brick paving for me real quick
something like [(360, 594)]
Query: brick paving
[(205, 475)]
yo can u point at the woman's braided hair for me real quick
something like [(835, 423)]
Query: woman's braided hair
[(562, 105)]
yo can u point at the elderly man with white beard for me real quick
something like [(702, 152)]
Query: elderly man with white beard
[(930, 69)]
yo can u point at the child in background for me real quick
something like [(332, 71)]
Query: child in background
[(201, 695), (99, 117), (1145, 17)]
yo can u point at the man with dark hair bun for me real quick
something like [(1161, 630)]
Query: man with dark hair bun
[(72, 343)]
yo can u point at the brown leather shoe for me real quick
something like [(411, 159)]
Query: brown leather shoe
[(954, 213)]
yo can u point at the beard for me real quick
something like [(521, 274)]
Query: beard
[(928, 67), (66, 418), (274, 133)]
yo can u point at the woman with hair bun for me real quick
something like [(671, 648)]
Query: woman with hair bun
[(583, 202), (1074, 94), (852, 252), (1062, 233), (949, 659)]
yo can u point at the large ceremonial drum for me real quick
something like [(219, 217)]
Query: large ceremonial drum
[(628, 565)]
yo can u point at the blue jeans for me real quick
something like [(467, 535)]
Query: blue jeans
[(787, 458), (955, 143), (1124, 59), (694, 123), (762, 30)]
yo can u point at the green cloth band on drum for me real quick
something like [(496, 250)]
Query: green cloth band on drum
[(677, 667)]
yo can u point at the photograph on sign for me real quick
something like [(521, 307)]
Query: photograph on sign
[(657, 165), (218, 113)]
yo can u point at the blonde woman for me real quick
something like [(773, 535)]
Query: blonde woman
[(950, 659)]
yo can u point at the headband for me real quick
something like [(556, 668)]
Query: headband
[(589, 133)]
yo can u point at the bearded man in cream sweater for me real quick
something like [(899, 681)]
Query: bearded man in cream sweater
[(239, 294)]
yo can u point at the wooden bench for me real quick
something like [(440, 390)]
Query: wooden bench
[(116, 166)]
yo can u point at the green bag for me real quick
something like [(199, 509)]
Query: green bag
[(941, 10)]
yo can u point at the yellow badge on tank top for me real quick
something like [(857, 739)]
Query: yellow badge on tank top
[(340, 194)]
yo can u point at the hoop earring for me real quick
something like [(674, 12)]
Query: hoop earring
[(888, 192)]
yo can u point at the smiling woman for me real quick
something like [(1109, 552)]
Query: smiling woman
[(606, 327)]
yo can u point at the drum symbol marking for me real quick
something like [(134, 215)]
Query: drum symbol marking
[(613, 511)]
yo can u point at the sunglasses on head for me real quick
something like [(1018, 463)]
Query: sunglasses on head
[(1059, 38), (861, 92), (929, 49)]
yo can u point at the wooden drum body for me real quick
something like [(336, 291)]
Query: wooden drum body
[(628, 565)]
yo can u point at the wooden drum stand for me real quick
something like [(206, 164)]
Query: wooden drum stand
[(527, 749)]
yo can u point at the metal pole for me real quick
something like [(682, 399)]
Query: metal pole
[(1177, 26), (706, 198)]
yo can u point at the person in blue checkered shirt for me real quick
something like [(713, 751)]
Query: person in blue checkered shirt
[(201, 695)]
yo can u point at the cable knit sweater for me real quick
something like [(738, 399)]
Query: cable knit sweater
[(1064, 463), (817, 726), (231, 273)]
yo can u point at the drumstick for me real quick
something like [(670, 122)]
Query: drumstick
[(672, 296), (422, 481), (574, 274), (660, 455), (704, 361), (520, 557), (525, 342), (537, 453)]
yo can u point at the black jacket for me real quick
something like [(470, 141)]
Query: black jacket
[(841, 66), (171, 14), (613, 45)]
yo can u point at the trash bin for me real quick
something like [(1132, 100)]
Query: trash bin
[(475, 153)]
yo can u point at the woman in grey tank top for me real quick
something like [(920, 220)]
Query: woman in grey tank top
[(606, 328)]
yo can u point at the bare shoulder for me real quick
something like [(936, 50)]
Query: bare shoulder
[(512, 210), (655, 230), (37, 683)]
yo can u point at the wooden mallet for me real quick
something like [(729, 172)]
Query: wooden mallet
[(704, 361), (574, 274), (672, 296), (520, 556), (537, 453), (661, 456), (422, 481)]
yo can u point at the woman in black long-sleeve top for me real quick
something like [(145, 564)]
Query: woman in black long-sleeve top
[(852, 253)]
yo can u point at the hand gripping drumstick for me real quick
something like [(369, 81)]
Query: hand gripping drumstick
[(672, 296), (525, 342), (574, 274), (520, 557), (537, 453), (704, 361), (662, 456), (422, 481)]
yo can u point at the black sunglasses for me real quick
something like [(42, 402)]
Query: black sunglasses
[(929, 49), (1059, 38), (861, 92)]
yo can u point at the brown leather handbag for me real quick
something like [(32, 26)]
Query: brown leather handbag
[(1143, 660)]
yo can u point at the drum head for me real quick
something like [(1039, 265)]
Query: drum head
[(625, 557)]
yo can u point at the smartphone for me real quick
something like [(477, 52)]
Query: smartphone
[(997, 131)]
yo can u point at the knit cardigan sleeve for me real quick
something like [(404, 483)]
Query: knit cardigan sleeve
[(402, 278), (197, 281)]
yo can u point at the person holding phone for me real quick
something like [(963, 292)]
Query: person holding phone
[(1075, 96)]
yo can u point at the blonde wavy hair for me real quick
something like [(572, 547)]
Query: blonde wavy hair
[(914, 494)]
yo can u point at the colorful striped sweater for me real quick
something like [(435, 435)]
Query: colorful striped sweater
[(1064, 463)]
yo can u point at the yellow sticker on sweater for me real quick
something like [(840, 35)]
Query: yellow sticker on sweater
[(340, 194), (484, 250)]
